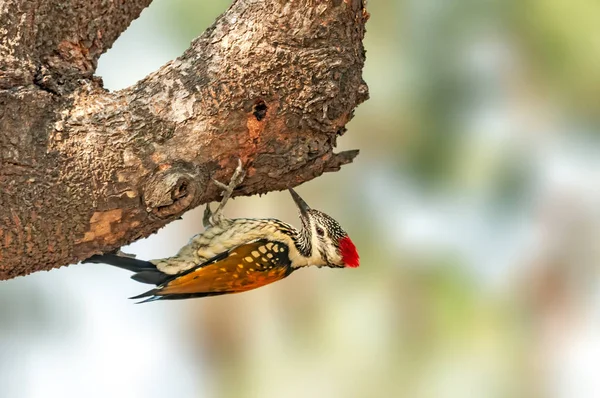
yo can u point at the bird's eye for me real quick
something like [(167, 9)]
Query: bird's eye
[(320, 231)]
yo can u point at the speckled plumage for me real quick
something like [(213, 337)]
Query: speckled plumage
[(228, 234)]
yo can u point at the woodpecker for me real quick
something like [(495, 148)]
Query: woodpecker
[(236, 255)]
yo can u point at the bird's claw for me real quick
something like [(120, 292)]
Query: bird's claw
[(211, 218)]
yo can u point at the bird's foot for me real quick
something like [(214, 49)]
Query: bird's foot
[(213, 218)]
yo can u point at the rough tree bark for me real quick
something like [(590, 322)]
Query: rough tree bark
[(85, 171)]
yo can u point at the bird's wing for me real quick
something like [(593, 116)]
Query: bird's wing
[(245, 267)]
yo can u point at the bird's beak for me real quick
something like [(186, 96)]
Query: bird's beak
[(304, 208)]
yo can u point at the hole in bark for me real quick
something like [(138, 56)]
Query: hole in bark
[(260, 110), (181, 190)]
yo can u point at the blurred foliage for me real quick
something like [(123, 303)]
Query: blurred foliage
[(562, 40)]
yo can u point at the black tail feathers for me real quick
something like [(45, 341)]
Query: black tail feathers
[(145, 271), (128, 263)]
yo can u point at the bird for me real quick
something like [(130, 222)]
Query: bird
[(237, 255)]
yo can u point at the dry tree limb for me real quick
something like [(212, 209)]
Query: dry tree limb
[(85, 171)]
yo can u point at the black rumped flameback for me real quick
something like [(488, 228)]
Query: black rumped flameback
[(236, 255)]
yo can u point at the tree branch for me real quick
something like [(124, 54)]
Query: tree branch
[(85, 171), (53, 43)]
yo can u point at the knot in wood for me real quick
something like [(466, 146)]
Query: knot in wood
[(171, 192)]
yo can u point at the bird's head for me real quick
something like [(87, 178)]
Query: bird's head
[(322, 239)]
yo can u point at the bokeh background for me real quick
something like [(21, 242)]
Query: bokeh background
[(474, 203)]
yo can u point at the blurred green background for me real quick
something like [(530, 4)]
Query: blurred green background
[(474, 204)]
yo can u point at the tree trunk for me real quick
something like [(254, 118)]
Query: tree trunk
[(85, 171)]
